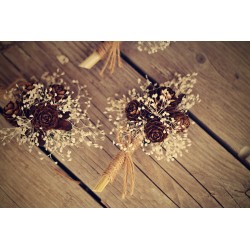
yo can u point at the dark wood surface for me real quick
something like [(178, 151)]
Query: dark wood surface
[(208, 176)]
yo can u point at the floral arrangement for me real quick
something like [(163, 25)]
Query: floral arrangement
[(48, 113), (154, 119)]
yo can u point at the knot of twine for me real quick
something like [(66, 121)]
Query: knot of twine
[(110, 52), (122, 159)]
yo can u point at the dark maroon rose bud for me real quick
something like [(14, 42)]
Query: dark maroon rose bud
[(23, 87), (174, 102), (154, 131), (58, 91), (45, 117), (153, 89), (10, 111), (177, 101), (171, 92), (132, 110), (159, 90), (145, 113), (64, 125), (182, 121), (167, 92)]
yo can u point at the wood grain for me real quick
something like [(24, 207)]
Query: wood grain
[(223, 82), (187, 183), (6, 201), (26, 181)]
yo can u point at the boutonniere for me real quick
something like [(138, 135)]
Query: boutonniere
[(154, 119), (52, 113)]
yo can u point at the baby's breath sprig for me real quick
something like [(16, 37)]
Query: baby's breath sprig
[(152, 47), (49, 113), (155, 119)]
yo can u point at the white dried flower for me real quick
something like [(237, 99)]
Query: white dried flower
[(152, 47)]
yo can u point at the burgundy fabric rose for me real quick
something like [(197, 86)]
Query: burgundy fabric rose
[(12, 108), (154, 131), (58, 91), (182, 121), (45, 116), (132, 110)]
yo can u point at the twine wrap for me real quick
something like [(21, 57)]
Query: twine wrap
[(122, 159), (109, 52)]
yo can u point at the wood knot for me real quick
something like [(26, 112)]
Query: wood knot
[(237, 76), (200, 58)]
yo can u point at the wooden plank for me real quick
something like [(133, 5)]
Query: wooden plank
[(8, 73), (5, 45), (31, 182), (6, 201), (161, 173), (223, 82)]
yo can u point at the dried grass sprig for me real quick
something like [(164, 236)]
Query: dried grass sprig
[(107, 51)]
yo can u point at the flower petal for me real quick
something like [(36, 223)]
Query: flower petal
[(64, 125)]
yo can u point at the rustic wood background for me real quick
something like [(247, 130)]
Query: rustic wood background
[(210, 175)]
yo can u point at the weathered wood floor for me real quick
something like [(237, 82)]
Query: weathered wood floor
[(210, 175)]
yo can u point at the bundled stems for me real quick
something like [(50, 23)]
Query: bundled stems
[(109, 52), (122, 159)]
